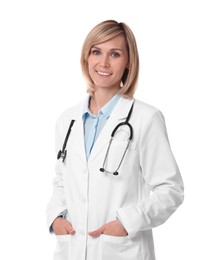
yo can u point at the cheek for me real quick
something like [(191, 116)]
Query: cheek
[(121, 71), (90, 63), (90, 67), (122, 65)]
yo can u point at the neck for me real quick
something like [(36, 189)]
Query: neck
[(102, 97), (99, 99)]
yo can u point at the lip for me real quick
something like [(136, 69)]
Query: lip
[(103, 73)]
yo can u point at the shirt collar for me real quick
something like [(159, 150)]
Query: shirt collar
[(86, 108), (106, 110)]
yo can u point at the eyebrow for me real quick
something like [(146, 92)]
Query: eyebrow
[(113, 49)]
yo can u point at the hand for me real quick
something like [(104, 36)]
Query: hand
[(113, 228), (62, 227)]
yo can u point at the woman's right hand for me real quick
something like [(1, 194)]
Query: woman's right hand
[(62, 226)]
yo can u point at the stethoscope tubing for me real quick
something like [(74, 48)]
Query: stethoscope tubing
[(122, 124), (63, 152)]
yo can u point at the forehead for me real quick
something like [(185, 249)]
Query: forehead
[(117, 42)]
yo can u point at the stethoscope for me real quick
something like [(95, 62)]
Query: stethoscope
[(63, 152)]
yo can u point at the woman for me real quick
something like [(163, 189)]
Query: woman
[(109, 193)]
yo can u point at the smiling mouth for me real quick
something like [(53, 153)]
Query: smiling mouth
[(101, 73)]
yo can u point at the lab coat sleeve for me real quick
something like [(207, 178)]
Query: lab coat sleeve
[(57, 203), (161, 175)]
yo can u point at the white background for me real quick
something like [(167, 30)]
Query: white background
[(182, 66)]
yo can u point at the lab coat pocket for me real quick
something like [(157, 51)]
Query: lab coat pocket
[(62, 248), (120, 248)]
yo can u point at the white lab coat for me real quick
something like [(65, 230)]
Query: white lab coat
[(146, 192)]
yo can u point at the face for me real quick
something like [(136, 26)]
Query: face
[(107, 62)]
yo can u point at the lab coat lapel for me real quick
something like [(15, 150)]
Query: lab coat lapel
[(117, 116), (80, 140), (77, 134)]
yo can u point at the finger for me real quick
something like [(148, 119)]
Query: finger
[(69, 228), (72, 231), (97, 232)]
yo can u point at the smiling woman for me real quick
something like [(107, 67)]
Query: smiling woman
[(115, 46), (107, 62), (117, 178)]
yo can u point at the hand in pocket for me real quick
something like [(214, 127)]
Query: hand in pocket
[(113, 228), (62, 226)]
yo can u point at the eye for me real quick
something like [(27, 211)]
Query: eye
[(115, 54), (95, 52)]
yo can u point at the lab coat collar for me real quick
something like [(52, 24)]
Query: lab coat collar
[(105, 110), (118, 115)]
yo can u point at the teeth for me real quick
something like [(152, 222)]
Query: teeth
[(103, 73)]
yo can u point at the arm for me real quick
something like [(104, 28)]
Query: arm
[(57, 204), (161, 174)]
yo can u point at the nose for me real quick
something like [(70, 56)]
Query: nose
[(104, 62)]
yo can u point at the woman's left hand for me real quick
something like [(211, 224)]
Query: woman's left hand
[(113, 228)]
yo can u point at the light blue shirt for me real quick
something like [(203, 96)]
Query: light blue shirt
[(93, 124)]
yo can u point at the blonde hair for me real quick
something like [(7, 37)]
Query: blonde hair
[(105, 31)]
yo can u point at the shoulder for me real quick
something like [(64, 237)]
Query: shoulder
[(146, 110), (70, 113), (150, 120), (148, 116)]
